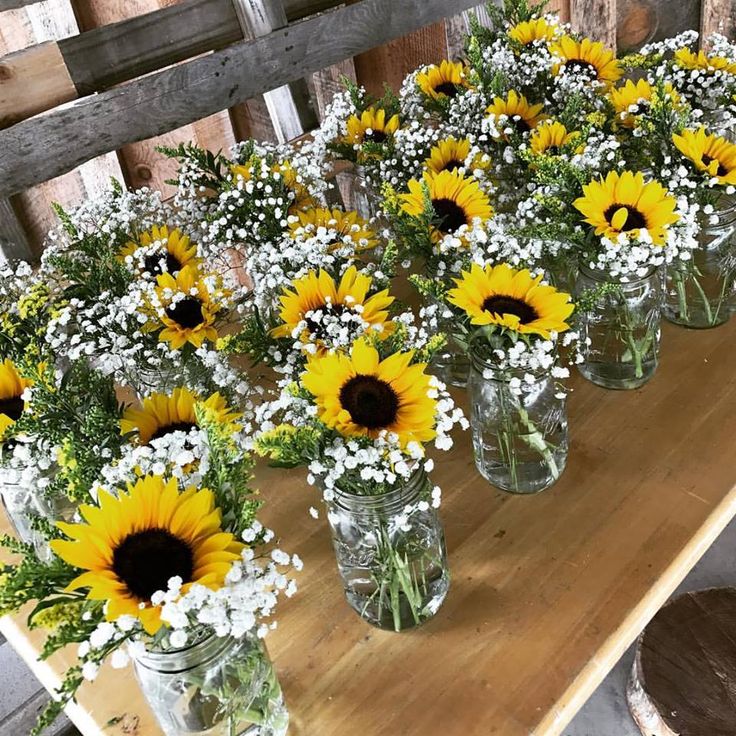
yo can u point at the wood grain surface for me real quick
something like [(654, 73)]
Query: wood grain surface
[(547, 591), (596, 19), (718, 16), (684, 679)]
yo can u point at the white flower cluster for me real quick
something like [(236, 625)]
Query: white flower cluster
[(242, 606)]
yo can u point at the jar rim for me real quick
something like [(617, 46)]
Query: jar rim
[(199, 651), (600, 275), (391, 501)]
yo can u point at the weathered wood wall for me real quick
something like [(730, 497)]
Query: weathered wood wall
[(194, 88)]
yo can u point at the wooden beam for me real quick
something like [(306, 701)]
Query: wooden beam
[(718, 16), (14, 245), (596, 19), (117, 51), (173, 97)]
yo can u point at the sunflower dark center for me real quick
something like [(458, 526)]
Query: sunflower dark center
[(447, 88), (375, 136), (499, 304), (707, 160), (578, 65), (450, 214), (146, 561), (12, 407), (152, 263), (634, 218), (318, 327), (641, 108), (174, 427), (371, 402), (187, 312), (453, 164), (521, 125)]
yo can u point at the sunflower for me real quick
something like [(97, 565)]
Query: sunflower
[(521, 114), (130, 546), (626, 203), (189, 312), (12, 386), (687, 59), (443, 81), (448, 155), (550, 138), (162, 414), (529, 31), (370, 127), (348, 226), (360, 394), (315, 298), (159, 250), (456, 201), (501, 295), (710, 153), (591, 56)]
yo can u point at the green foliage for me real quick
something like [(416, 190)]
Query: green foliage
[(254, 339), (211, 168), (288, 446)]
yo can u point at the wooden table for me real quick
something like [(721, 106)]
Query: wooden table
[(547, 591)]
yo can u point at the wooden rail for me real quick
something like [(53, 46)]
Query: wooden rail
[(195, 89)]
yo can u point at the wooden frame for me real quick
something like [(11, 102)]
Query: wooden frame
[(187, 92)]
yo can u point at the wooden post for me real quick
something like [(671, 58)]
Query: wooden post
[(596, 19), (26, 218), (14, 245), (718, 16), (259, 18), (685, 668)]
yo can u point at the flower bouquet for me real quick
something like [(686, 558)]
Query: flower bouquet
[(514, 326), (360, 421)]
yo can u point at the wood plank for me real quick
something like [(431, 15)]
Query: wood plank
[(33, 80), (718, 16), (547, 591), (118, 51), (49, 20), (174, 97), (596, 19), (15, 4), (14, 245)]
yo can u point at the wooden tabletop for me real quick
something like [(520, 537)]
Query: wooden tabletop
[(547, 591)]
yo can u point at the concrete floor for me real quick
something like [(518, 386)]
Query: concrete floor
[(605, 714)]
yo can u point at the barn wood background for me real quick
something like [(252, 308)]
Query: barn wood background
[(89, 88)]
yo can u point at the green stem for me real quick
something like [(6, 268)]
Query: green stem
[(535, 439)]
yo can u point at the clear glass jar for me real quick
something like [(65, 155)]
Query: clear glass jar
[(700, 292), (391, 554), (620, 328), (162, 380), (520, 437), (562, 269), (359, 195), (450, 363), (18, 503), (216, 686)]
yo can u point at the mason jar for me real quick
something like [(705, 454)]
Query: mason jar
[(450, 363), (520, 436), (700, 292), (163, 380), (620, 328), (358, 195), (215, 686), (391, 553), (18, 504)]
